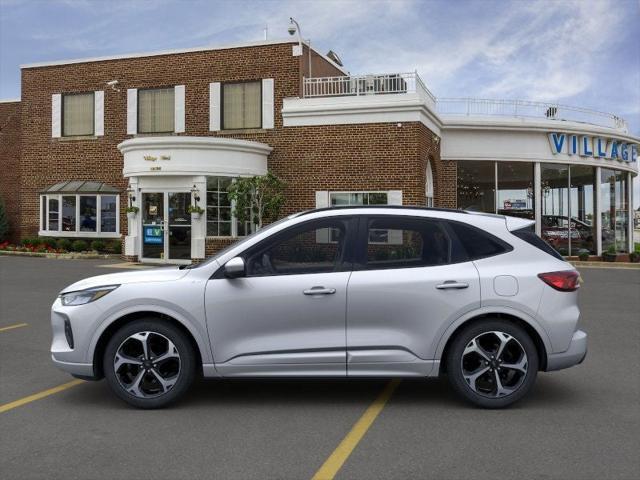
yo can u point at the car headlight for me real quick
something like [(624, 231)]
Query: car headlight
[(82, 297)]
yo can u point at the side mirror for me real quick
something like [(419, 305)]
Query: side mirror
[(234, 268)]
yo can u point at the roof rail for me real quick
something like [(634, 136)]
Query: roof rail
[(396, 207)]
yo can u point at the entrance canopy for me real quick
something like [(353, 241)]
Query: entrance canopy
[(145, 156), (80, 186)]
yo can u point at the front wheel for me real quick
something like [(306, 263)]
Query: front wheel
[(492, 363), (149, 363)]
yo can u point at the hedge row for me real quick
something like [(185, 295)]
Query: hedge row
[(69, 245)]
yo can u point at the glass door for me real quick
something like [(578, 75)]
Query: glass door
[(153, 215), (179, 244)]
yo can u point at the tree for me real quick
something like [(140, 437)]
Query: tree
[(257, 199), (4, 222)]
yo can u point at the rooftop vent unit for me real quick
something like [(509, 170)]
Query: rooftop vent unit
[(333, 56)]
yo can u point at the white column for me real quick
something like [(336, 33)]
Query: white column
[(132, 241), (630, 211), (199, 226), (598, 212), (537, 192)]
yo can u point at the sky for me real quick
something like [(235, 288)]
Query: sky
[(579, 52)]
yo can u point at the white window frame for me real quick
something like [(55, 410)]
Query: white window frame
[(234, 219), (78, 233), (428, 188)]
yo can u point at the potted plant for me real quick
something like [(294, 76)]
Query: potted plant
[(131, 212), (610, 255), (583, 255), (196, 211)]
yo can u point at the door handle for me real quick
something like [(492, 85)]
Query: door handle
[(452, 284), (319, 291)]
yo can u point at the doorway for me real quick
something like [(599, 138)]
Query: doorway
[(166, 227)]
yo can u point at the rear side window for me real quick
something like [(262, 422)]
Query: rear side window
[(529, 236), (403, 242), (478, 243)]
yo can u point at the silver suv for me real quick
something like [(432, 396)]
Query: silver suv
[(338, 292)]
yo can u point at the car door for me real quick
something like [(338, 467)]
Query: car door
[(287, 315), (410, 281)]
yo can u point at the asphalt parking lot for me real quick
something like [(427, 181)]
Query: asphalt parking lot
[(580, 423)]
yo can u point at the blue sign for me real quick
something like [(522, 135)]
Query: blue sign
[(152, 235), (588, 146)]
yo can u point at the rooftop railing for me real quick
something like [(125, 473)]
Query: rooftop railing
[(400, 83), (528, 109), (357, 85)]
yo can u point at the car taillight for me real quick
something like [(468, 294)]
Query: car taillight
[(565, 281)]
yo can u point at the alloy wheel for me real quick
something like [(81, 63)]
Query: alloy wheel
[(494, 364), (147, 364)]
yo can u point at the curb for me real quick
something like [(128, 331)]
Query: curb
[(62, 256), (613, 265)]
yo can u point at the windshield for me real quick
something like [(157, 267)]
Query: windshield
[(240, 242)]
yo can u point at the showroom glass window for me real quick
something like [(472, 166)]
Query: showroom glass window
[(79, 214), (78, 114), (614, 210), (515, 189), (241, 105), (582, 207), (555, 205), (476, 186), (221, 221), (156, 110)]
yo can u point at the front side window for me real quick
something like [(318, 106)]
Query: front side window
[(358, 198), (79, 215), (221, 221), (156, 110), (416, 243), (241, 105), (299, 251), (78, 114)]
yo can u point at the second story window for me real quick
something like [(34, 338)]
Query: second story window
[(156, 110), (241, 105), (78, 114)]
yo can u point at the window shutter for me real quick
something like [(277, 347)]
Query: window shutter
[(214, 106), (132, 111), (267, 103), (394, 197), (98, 111), (322, 199), (56, 115), (179, 111)]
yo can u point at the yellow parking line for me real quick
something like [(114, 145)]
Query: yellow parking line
[(334, 463), (37, 396), (11, 327)]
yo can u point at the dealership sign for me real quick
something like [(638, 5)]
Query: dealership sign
[(597, 147)]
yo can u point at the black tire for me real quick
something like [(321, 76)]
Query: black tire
[(185, 374), (522, 383)]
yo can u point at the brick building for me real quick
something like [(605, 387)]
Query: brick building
[(160, 131)]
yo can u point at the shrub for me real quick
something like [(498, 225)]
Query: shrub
[(64, 244), (583, 255), (46, 242), (79, 246), (115, 247), (98, 245), (28, 241)]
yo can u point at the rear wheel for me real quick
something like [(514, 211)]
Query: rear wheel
[(149, 363), (492, 363)]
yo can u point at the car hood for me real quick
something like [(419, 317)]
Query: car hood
[(151, 275)]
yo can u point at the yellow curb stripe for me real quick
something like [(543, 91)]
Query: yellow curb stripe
[(334, 463), (11, 327), (37, 396)]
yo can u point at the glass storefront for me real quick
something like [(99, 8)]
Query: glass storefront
[(515, 189), (614, 208), (567, 200), (477, 186)]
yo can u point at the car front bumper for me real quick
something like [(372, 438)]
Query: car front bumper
[(574, 355)]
